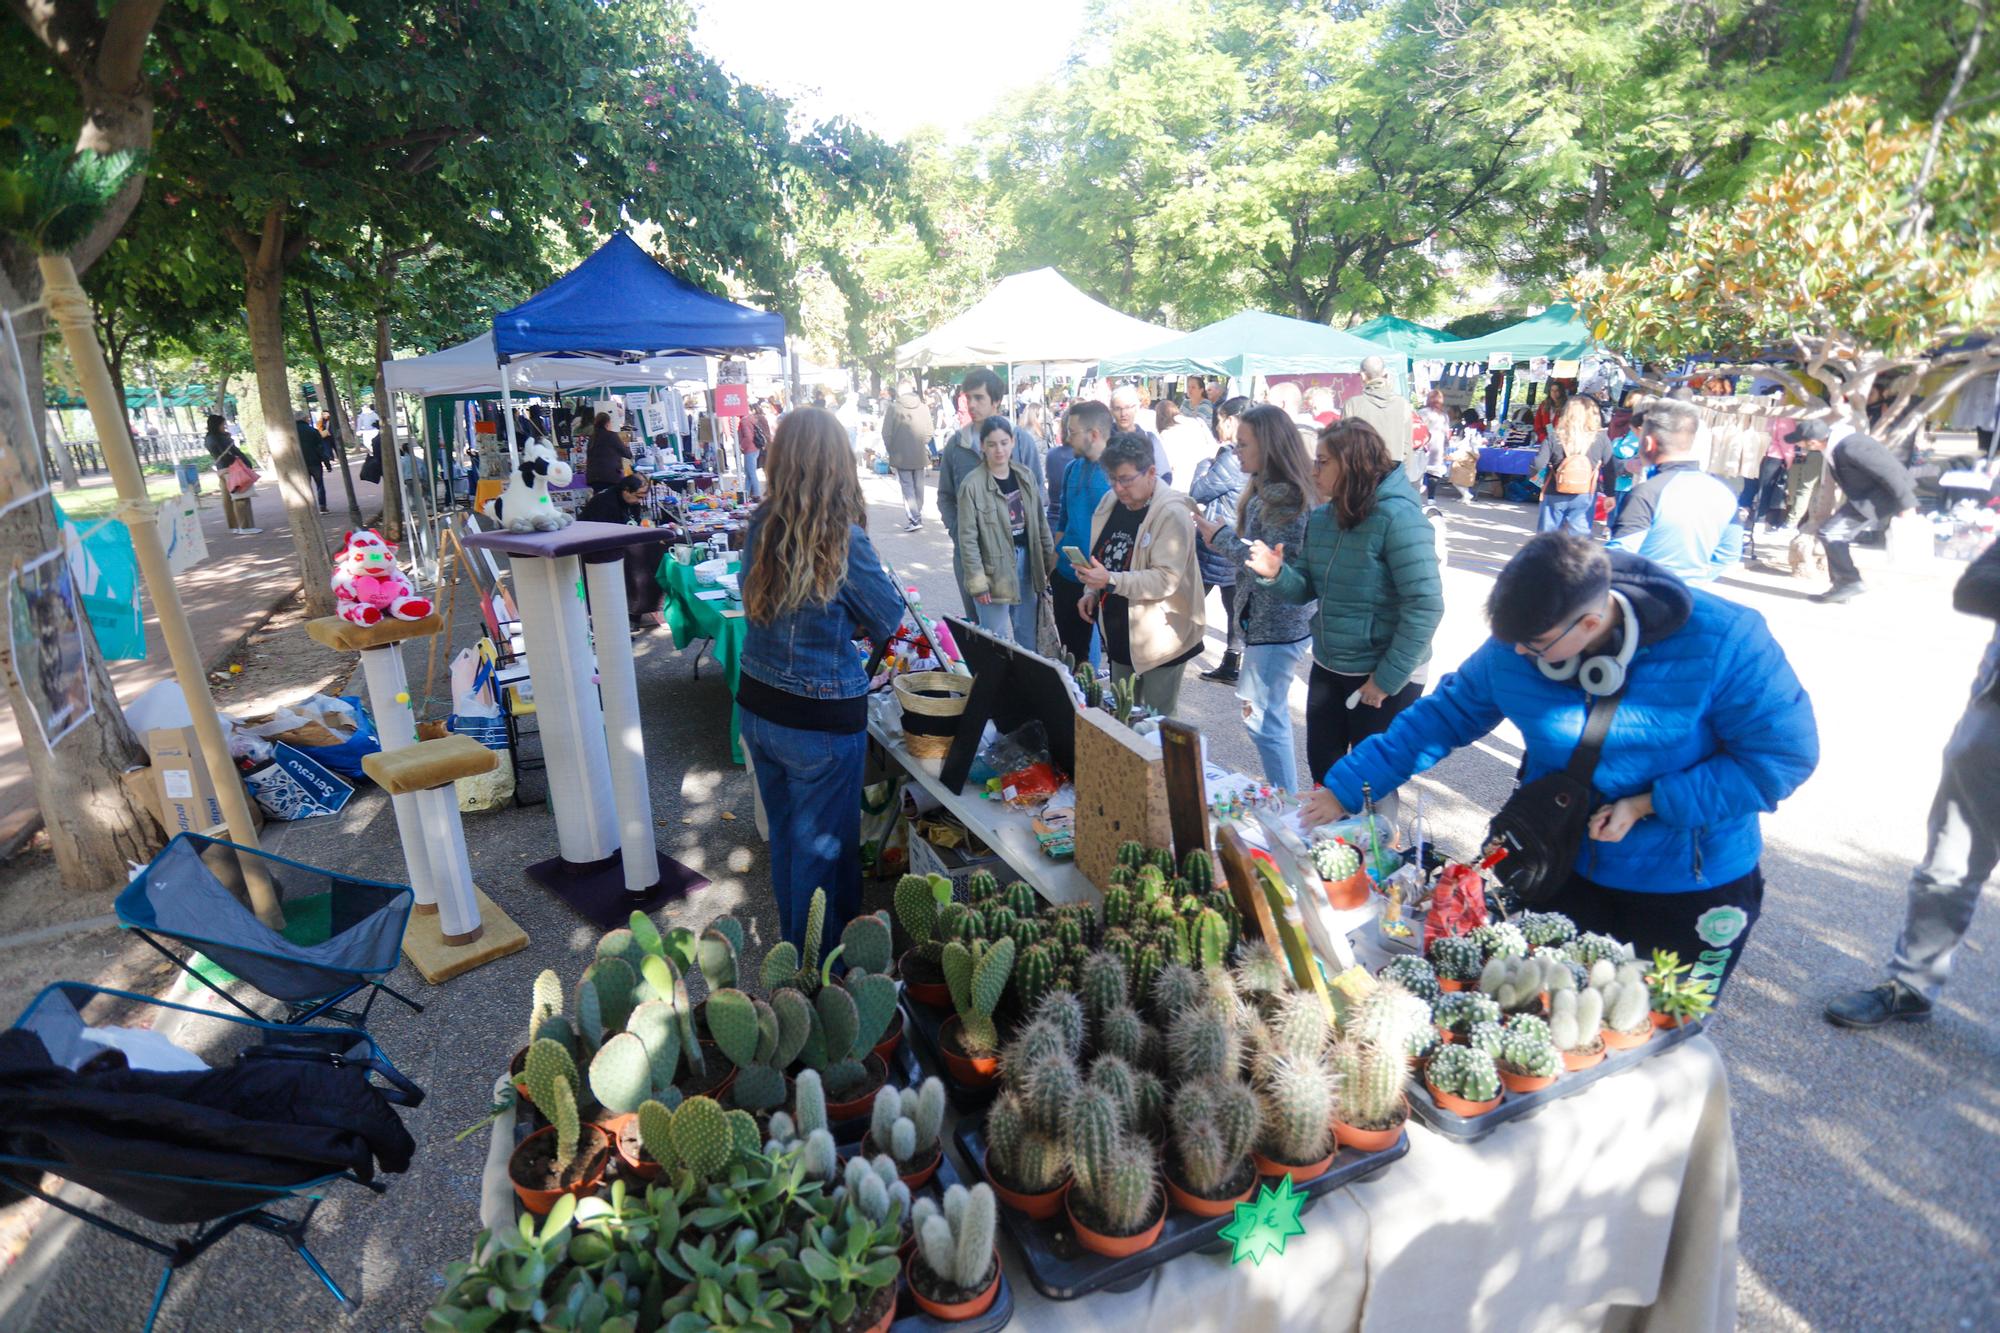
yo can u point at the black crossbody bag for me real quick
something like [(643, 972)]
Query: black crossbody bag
[(1542, 825)]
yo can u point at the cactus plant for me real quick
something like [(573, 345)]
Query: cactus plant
[(1025, 1159), (1371, 1077), (981, 885), (1627, 1007), (1124, 1034), (1145, 967), (917, 899), (1298, 1027), (1114, 1076), (1484, 1036), (758, 1042), (1034, 972), (1215, 1124), (1459, 1010), (1123, 694), (1174, 989), (1047, 1090), (547, 1061), (1131, 853), (1335, 860), (1576, 1020), (1393, 1018), (817, 1151), (1461, 1071), (1546, 930), (1414, 975), (548, 1001), (1202, 1043), (905, 1122), (1260, 971), (1526, 1048), (1208, 939), (1199, 869), (1297, 1097), (1499, 939), (1456, 957), (1064, 1012), (865, 944), (955, 1240), (1092, 687), (1589, 947), (1104, 984), (1517, 983), (716, 952), (977, 981), (871, 1185), (1032, 1043)]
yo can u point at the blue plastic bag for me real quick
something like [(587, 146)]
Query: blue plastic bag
[(345, 758)]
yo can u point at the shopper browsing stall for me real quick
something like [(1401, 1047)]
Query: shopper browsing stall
[(1142, 585), (1276, 500), (1004, 539), (608, 458), (1370, 559), (1570, 460), (811, 581), (1216, 485), (626, 503), (1711, 730), (961, 458), (1086, 430)]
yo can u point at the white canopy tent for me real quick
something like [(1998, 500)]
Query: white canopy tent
[(471, 367), (1031, 317)]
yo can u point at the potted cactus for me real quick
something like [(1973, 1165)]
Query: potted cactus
[(1214, 1127), (1115, 1205), (870, 1185), (1339, 865), (1576, 1026), (1028, 1165), (761, 1040), (786, 964), (1519, 985), (1413, 974), (569, 1155), (977, 976), (848, 1019), (1675, 999), (1527, 1060), (1546, 930), (955, 1271), (904, 1124), (1372, 1105), (1297, 1095), (1457, 959), (919, 899), (1499, 939), (1628, 1008), (804, 1129), (1457, 1012), (1463, 1080), (866, 947)]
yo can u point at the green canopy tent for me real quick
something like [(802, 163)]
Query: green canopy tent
[(1404, 335), (1255, 342), (1556, 333)]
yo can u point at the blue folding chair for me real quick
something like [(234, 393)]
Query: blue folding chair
[(341, 934), (93, 1146)]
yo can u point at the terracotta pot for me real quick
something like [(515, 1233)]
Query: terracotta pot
[(1625, 1041), (1273, 1168), (1661, 1020), (963, 1310), (887, 1295), (968, 1071), (1370, 1140), (890, 1041), (614, 1129), (1040, 1207), (1201, 1206), (1458, 1105), (1448, 984), (916, 1179), (859, 1106), (515, 1067), (1575, 1060), (1446, 1035), (1114, 1247), (539, 1201), (1523, 1082), (933, 993), (1349, 893)]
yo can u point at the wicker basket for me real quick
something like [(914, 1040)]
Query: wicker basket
[(932, 703)]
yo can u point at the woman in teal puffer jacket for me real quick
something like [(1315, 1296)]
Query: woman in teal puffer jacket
[(1371, 560)]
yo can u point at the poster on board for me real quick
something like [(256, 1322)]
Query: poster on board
[(45, 643), (22, 476), (1538, 370)]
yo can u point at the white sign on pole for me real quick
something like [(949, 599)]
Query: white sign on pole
[(1538, 370), (180, 532), (1500, 361)]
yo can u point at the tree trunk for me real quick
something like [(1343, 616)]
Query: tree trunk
[(386, 446), (343, 437), (1855, 19), (263, 291), (94, 823)]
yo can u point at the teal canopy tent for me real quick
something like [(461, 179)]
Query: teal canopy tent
[(1556, 333), (1404, 335), (1252, 343)]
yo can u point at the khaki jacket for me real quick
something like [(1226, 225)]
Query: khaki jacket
[(986, 537), (1164, 584)]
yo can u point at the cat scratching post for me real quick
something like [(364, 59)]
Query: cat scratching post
[(455, 927)]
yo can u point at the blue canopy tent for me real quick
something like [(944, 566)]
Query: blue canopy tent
[(621, 304)]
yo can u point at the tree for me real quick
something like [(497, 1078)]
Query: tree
[(1865, 255)]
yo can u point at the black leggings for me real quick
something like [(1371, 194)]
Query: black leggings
[(1071, 627), (1708, 928), (1332, 728)]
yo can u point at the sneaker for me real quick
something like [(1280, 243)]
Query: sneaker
[(1877, 1005), (1839, 592), (913, 527)]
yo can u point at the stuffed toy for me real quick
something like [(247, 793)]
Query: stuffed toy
[(367, 585), (525, 505)]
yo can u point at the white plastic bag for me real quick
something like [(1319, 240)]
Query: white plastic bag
[(1910, 543)]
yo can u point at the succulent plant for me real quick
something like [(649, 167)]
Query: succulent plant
[(1518, 983), (872, 1185), (955, 1240), (981, 887), (905, 1122), (866, 943), (1459, 1010), (547, 1061), (786, 964), (1035, 971), (1484, 1036), (1214, 1125), (1298, 1028), (1526, 1048), (1671, 990), (1298, 1101), (1151, 958), (1627, 1007), (1092, 686), (1464, 1072), (548, 1001), (1047, 1091), (1028, 1159), (717, 950), (1456, 957), (917, 900), (1544, 930), (1335, 860), (1392, 1017), (1576, 1019), (1174, 989), (1590, 947), (698, 1137), (1104, 984), (1371, 1078), (1124, 1034), (1032, 1043), (1499, 939), (1202, 1042), (816, 1148), (761, 1040), (1062, 1011), (977, 977), (1131, 853), (1260, 971)]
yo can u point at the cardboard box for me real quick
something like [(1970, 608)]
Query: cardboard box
[(184, 797)]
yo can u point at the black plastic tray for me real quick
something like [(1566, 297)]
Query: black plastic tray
[(1514, 1105), (1062, 1270), (910, 1317), (921, 1026)]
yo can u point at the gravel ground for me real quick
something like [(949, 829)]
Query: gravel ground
[(1869, 1198)]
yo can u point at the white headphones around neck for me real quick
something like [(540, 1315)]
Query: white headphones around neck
[(1600, 676)]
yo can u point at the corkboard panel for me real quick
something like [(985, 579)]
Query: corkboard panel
[(1121, 794)]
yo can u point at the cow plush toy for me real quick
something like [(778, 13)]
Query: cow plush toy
[(525, 505), (367, 585)]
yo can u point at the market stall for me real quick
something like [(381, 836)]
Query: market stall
[(1257, 343), (705, 612), (1033, 317)]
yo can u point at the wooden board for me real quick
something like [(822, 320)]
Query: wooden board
[(1187, 787), (1246, 888), (1121, 794)]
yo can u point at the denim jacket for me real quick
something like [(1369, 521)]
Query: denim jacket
[(808, 652)]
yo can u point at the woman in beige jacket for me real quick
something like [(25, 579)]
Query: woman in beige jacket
[(1003, 538), (1143, 584)]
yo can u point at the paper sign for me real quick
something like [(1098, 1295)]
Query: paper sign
[(45, 634), (1500, 361), (732, 372), (21, 475), (731, 400), (180, 532)]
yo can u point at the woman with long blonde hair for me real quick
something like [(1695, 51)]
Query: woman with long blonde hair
[(811, 582), (1574, 454)]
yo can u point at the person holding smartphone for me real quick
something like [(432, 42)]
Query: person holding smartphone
[(1003, 538)]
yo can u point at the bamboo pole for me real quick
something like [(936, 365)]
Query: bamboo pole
[(70, 308)]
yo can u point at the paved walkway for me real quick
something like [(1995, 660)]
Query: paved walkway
[(226, 597)]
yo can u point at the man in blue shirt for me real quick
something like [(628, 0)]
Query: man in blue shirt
[(1680, 517), (1086, 430)]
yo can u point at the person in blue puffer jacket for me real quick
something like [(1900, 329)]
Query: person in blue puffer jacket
[(1712, 730)]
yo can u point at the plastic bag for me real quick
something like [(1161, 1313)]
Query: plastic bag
[(1025, 745), (335, 733), (476, 713), (1910, 542)]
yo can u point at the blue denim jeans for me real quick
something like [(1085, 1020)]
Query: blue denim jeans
[(1566, 513), (1265, 687), (1016, 623), (810, 782)]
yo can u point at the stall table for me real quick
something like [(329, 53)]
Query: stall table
[(1507, 462), (719, 621)]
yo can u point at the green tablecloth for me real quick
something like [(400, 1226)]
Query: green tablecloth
[(691, 618)]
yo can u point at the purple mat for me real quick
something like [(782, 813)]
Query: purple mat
[(597, 889)]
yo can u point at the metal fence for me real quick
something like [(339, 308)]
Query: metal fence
[(154, 450)]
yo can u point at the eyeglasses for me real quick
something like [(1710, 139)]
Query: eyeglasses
[(1127, 481), (1540, 654)]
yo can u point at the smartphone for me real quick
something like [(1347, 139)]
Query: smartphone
[(1077, 559)]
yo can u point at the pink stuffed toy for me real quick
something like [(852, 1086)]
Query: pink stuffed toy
[(367, 584)]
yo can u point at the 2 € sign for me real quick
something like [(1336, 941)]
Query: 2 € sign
[(1262, 1227)]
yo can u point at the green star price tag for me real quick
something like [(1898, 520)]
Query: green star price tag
[(1262, 1227)]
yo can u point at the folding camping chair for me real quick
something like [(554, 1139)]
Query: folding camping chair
[(341, 934), (89, 1137)]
